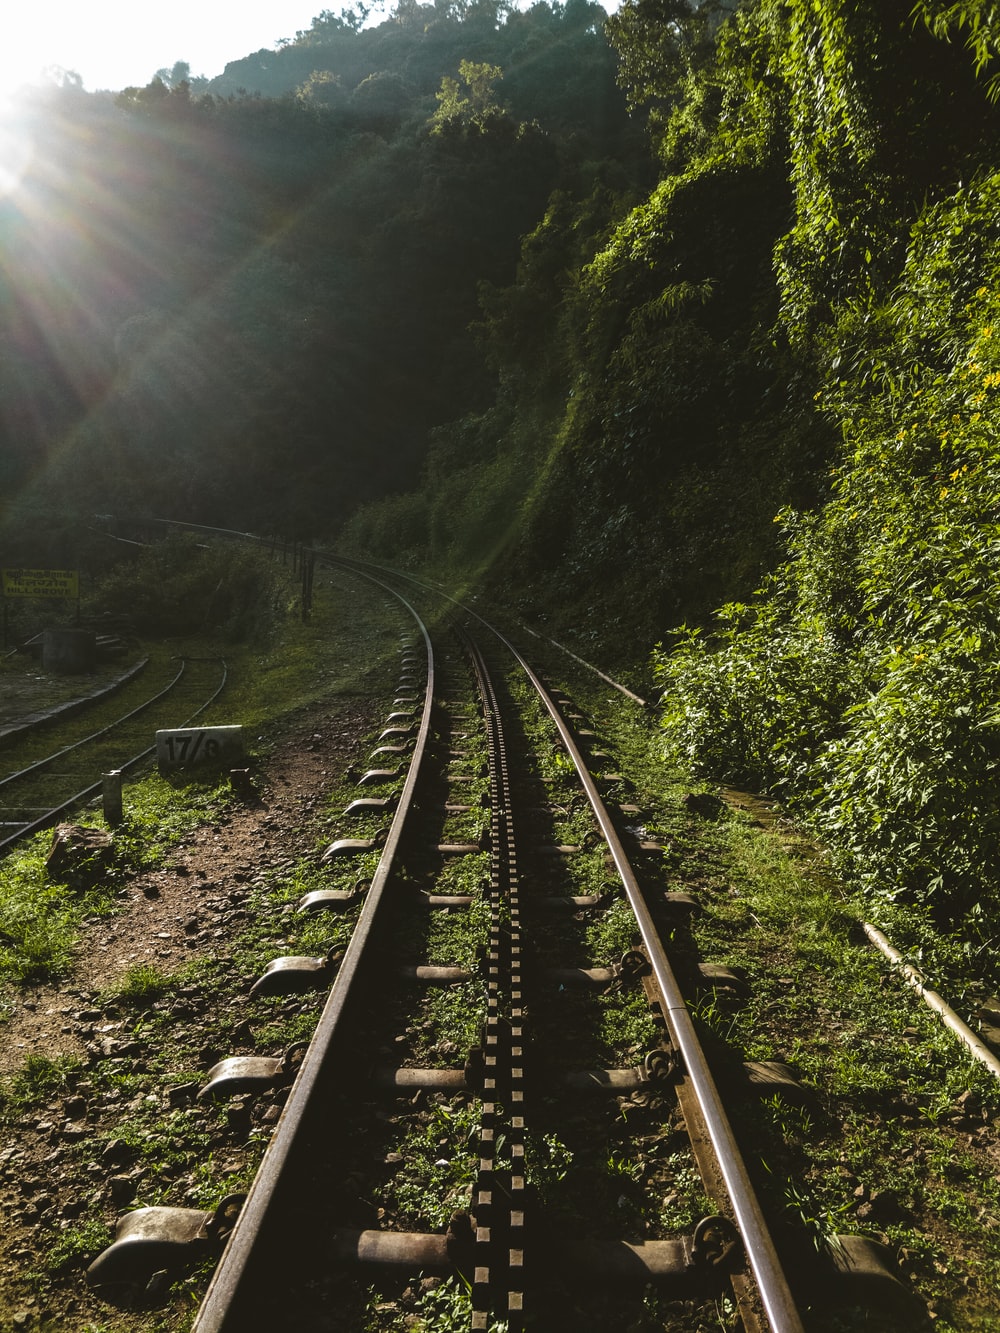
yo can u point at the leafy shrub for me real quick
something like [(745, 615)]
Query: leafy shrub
[(863, 682), (908, 795), (394, 529), (756, 703), (184, 586)]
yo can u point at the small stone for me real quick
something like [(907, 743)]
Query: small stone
[(122, 1190), (118, 1153), (182, 1094), (238, 1115), (158, 1284)]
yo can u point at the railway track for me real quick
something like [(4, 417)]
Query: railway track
[(47, 784), (501, 1029)]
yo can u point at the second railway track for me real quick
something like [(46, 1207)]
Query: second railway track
[(42, 783)]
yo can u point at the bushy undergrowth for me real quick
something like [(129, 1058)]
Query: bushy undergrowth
[(186, 586), (863, 683)]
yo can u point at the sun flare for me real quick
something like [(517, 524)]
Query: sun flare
[(16, 145)]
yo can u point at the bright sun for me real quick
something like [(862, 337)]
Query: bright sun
[(66, 35), (22, 57)]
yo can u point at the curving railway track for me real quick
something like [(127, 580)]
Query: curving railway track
[(482, 1077), (502, 1027)]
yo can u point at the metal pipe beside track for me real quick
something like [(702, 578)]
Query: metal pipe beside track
[(916, 979)]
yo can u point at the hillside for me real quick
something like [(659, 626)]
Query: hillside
[(619, 321), (251, 310), (770, 385)]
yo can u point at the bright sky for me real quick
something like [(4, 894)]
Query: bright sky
[(115, 43)]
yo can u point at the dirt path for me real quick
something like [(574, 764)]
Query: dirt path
[(191, 907)]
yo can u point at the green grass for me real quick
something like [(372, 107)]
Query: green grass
[(882, 1075), (41, 918), (439, 1168), (36, 1082), (140, 986)]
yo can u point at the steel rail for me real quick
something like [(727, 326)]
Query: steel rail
[(103, 731), (772, 1283), (11, 733), (217, 1312), (52, 816), (359, 565)]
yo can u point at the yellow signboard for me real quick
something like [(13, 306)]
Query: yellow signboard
[(41, 583)]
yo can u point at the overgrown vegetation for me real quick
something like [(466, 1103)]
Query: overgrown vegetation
[(185, 586), (860, 682), (892, 1113), (797, 320)]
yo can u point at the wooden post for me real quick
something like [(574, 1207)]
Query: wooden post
[(111, 791), (308, 570)]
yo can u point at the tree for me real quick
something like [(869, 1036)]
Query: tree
[(453, 106), (179, 72), (980, 22)]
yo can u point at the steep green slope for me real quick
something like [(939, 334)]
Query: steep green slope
[(797, 321), (861, 682)]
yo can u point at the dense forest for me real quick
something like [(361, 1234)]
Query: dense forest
[(623, 319), (249, 304)]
